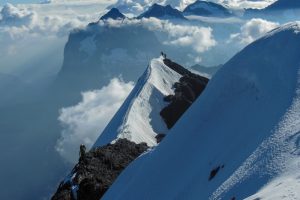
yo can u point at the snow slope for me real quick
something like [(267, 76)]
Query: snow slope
[(244, 127), (138, 119)]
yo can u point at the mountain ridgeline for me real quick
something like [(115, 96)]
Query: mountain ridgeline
[(207, 8), (97, 169), (187, 90), (239, 139)]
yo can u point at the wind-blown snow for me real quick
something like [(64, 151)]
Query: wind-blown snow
[(138, 119), (246, 123)]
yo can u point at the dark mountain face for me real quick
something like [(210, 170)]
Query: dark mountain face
[(97, 54), (276, 11), (162, 12), (205, 8), (284, 4), (187, 90), (210, 71), (114, 13), (97, 170)]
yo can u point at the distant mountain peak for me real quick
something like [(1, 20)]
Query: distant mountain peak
[(162, 12), (114, 13), (206, 8), (284, 4)]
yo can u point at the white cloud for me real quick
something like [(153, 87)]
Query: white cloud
[(83, 122), (22, 22), (12, 16), (252, 30), (199, 38), (138, 6), (246, 3), (33, 33)]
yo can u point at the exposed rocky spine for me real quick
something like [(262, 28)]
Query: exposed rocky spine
[(189, 87), (97, 170)]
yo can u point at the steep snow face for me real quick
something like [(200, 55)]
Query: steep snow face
[(241, 133), (138, 119), (285, 187)]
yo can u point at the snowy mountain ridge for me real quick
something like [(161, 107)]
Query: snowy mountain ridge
[(138, 119), (162, 94), (239, 139)]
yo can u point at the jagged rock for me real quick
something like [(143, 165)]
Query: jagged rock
[(162, 12), (206, 8), (189, 87), (97, 170), (160, 137), (114, 13)]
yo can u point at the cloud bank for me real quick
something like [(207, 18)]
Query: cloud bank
[(239, 4), (83, 122), (138, 6), (21, 22), (252, 30), (199, 38), (12, 16)]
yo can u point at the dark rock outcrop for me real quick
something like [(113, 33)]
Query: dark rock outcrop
[(160, 137), (283, 4), (214, 172), (189, 87), (162, 12), (206, 8), (97, 170), (114, 13)]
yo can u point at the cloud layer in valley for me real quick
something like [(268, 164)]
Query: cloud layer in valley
[(199, 38), (83, 122), (139, 6), (34, 35)]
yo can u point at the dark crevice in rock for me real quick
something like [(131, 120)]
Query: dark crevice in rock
[(187, 90), (97, 170)]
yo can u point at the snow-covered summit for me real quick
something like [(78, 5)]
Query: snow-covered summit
[(114, 14), (241, 134), (162, 12), (206, 8), (138, 119)]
